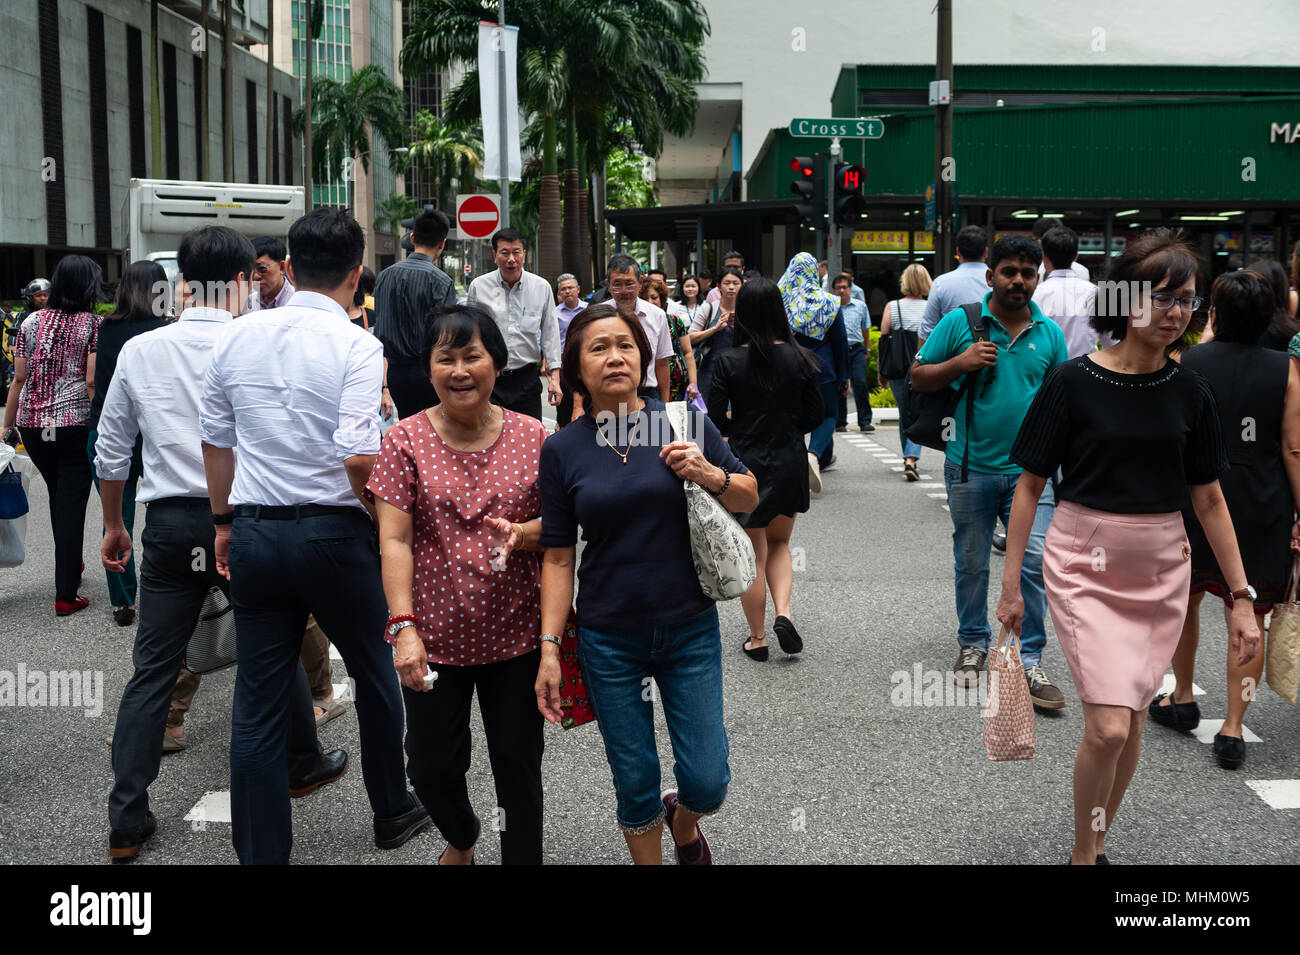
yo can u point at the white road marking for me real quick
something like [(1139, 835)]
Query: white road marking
[(213, 807), (1278, 793), (343, 692), (1206, 729), (931, 484), (899, 469), (943, 497), (334, 653), (891, 460), (1167, 686)]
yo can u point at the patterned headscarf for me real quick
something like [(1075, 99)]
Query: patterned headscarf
[(811, 310), (1294, 348)]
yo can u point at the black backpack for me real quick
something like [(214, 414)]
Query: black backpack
[(929, 415)]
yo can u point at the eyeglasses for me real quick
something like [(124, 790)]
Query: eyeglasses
[(261, 269), (1163, 300), (624, 286)]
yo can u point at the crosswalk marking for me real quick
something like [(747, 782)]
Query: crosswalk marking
[(334, 653), (1206, 729), (1278, 793), (940, 496), (931, 484), (213, 807), (1167, 686)]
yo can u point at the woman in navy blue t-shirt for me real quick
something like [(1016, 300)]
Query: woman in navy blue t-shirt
[(617, 473)]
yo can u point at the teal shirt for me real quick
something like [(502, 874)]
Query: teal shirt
[(1000, 403)]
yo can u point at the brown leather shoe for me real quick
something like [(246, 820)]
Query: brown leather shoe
[(1041, 691)]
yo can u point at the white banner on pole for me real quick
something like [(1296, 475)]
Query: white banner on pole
[(491, 37)]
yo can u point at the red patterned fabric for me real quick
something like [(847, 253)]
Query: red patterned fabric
[(1009, 715), (57, 346), (576, 707)]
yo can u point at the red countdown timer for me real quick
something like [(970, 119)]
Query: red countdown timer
[(851, 178)]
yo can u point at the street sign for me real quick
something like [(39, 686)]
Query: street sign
[(847, 128), (477, 216)]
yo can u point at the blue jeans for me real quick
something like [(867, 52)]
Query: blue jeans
[(822, 440), (975, 507), (858, 380), (685, 660), (910, 448)]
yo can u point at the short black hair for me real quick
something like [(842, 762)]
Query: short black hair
[(365, 285), (706, 274), (1243, 306), (430, 228), (622, 262), (1015, 246), (215, 254), (324, 246), (453, 326), (1061, 246), (508, 235), (656, 271), (571, 362), (734, 254), (972, 241), (269, 246), (1045, 224), (1144, 263), (76, 285), (841, 278)]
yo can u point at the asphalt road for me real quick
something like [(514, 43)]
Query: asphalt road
[(826, 768)]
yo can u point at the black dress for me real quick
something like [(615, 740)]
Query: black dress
[(767, 426), (1249, 383)]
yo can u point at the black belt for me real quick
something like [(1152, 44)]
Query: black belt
[(522, 370), (292, 512), (179, 502)]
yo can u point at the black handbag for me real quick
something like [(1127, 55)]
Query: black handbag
[(932, 415), (897, 349)]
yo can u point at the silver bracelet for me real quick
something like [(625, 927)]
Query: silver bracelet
[(550, 638)]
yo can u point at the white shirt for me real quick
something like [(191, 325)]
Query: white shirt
[(654, 321), (299, 388), (521, 311), (1078, 269), (157, 390), (1070, 302)]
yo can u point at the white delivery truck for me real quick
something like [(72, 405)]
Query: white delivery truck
[(160, 211)]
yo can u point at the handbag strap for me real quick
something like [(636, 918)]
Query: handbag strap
[(1294, 579), (676, 411), (1002, 634)]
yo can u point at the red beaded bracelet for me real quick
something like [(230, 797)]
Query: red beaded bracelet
[(400, 618)]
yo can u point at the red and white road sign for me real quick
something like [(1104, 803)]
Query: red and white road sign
[(477, 216)]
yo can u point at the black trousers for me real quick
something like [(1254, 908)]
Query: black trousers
[(177, 571), (564, 410), (60, 455), (409, 386), (438, 748), (519, 390)]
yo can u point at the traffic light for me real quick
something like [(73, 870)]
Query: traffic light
[(810, 186), (850, 203)]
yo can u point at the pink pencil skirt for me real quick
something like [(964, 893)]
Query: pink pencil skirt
[(1117, 589)]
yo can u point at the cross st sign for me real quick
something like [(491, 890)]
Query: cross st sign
[(846, 128)]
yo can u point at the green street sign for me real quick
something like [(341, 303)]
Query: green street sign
[(847, 128)]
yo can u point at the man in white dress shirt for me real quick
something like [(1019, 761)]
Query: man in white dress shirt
[(524, 308), (156, 392), (623, 279), (297, 388), (1065, 298)]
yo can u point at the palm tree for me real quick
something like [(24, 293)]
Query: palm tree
[(347, 113), (443, 149), (390, 212)]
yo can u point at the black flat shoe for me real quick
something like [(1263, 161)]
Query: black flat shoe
[(754, 653), (124, 844), (1102, 860), (1183, 717), (124, 616), (1230, 750), (787, 635), (394, 831), (330, 768)]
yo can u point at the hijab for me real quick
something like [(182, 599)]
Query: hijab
[(811, 309)]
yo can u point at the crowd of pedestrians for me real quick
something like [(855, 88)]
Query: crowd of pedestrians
[(247, 419)]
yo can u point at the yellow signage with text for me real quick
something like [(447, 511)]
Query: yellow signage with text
[(891, 241)]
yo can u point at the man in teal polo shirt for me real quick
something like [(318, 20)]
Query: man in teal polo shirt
[(1022, 345)]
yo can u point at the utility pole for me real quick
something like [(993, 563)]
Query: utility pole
[(834, 256), (504, 125), (943, 166)]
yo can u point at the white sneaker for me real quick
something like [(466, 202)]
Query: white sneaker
[(814, 474)]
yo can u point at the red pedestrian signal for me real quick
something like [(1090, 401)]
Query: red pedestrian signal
[(810, 186)]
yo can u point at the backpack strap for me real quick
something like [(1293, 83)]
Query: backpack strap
[(979, 332)]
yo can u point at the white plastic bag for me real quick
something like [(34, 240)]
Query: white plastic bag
[(13, 534)]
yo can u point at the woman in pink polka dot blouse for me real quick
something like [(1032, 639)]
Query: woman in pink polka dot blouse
[(458, 505)]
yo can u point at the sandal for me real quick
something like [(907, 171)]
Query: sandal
[(910, 472), (332, 708), (754, 653)]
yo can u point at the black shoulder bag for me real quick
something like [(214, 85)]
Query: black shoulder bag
[(932, 413)]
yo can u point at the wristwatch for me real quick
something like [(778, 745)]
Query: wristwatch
[(220, 519), (1247, 591), (397, 626)]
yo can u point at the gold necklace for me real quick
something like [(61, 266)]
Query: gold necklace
[(487, 423), (631, 440)]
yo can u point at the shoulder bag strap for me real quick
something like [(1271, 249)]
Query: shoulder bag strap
[(979, 332)]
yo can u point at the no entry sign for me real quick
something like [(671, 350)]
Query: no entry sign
[(477, 216)]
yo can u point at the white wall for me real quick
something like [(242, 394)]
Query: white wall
[(753, 41)]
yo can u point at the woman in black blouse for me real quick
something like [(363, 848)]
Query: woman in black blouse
[(1136, 437), (143, 296), (1258, 393), (770, 384)]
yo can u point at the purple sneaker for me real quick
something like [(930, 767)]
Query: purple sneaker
[(695, 852)]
